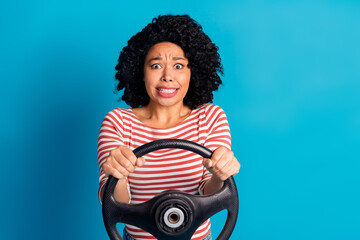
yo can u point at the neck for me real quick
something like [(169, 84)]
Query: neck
[(163, 117), (166, 114)]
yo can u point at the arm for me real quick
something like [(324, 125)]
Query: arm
[(222, 164), (212, 186), (110, 137), (121, 192), (114, 158)]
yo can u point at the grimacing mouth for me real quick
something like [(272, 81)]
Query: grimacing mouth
[(167, 90)]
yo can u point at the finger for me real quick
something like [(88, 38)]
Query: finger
[(218, 153), (118, 164), (223, 163), (236, 167), (207, 163), (223, 167), (123, 160), (116, 174), (110, 170), (126, 165), (230, 169), (128, 154)]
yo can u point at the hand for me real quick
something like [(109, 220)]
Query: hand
[(121, 162), (222, 164)]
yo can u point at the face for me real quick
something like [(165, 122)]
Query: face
[(166, 74)]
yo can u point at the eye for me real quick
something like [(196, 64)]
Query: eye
[(178, 66), (155, 66)]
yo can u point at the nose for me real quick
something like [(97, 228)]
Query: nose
[(167, 75)]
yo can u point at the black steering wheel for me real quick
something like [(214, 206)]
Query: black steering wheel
[(171, 215)]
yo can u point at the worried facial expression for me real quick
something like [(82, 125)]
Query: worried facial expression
[(166, 74)]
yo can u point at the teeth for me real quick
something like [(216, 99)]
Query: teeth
[(166, 90)]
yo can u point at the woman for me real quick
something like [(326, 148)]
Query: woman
[(168, 72)]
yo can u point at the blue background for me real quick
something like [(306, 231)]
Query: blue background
[(291, 94)]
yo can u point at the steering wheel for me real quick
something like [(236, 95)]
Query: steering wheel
[(172, 214)]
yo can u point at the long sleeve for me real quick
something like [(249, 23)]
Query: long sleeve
[(110, 137), (218, 134)]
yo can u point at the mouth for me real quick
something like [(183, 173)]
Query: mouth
[(167, 92)]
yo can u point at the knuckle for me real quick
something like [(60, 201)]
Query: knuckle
[(108, 159), (122, 171), (114, 172), (111, 172), (118, 175), (220, 165), (222, 149), (113, 151), (127, 165), (132, 158), (105, 168), (222, 172), (215, 157), (124, 149), (217, 166)]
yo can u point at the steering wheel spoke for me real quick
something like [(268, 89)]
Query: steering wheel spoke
[(225, 198)]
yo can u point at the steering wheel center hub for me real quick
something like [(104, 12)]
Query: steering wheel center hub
[(174, 216)]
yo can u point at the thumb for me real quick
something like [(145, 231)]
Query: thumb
[(207, 163), (140, 162)]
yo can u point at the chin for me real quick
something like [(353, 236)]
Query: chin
[(168, 102)]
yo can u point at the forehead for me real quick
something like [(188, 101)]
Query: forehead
[(166, 49)]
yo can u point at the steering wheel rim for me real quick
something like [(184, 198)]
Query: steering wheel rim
[(196, 208)]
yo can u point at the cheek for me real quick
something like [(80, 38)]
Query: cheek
[(148, 79), (148, 85), (185, 80), (149, 88)]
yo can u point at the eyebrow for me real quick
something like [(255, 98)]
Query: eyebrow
[(160, 58)]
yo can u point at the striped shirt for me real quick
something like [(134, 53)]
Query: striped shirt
[(165, 169)]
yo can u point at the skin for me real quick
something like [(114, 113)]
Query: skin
[(166, 67)]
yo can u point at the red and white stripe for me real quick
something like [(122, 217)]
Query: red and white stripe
[(167, 168)]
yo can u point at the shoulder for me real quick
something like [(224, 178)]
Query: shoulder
[(211, 110), (117, 114)]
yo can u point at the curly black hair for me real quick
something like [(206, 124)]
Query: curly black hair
[(202, 53)]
